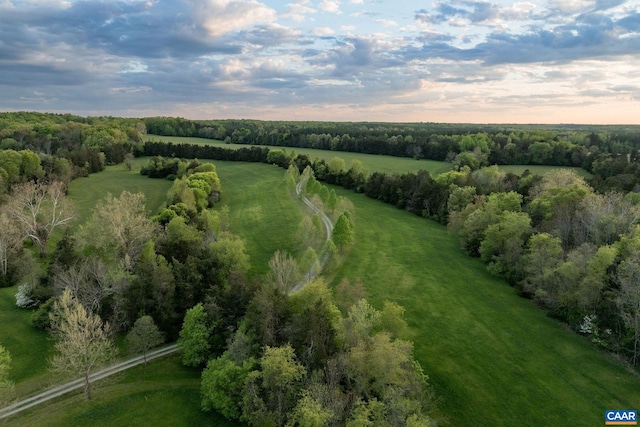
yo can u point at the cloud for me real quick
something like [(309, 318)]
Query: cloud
[(330, 6), (298, 11), (323, 31), (222, 16)]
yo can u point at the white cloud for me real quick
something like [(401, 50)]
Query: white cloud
[(298, 11), (221, 16), (330, 6), (322, 31), (387, 22), (571, 6), (134, 67)]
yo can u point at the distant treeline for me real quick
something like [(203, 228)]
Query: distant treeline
[(462, 144)]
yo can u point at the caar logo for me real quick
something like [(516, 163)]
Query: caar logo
[(621, 418)]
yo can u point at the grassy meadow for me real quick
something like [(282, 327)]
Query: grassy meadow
[(493, 357), (371, 162), (86, 192)]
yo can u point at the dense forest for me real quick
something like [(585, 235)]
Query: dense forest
[(274, 358)]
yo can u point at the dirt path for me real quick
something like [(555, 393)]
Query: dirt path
[(328, 225), (79, 383)]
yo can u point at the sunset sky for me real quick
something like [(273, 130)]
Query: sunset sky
[(562, 61)]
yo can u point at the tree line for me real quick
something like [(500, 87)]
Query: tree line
[(605, 151)]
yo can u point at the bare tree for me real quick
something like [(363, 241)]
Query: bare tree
[(629, 302), (39, 209), (84, 342), (284, 271), (119, 227), (10, 241)]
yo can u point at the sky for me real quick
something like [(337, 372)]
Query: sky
[(462, 61)]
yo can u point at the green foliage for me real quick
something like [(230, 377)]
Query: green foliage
[(194, 337), (6, 385), (144, 336), (342, 234), (309, 413), (223, 383)]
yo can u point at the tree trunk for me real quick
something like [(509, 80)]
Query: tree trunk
[(87, 386)]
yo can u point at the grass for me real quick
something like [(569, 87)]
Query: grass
[(261, 210), (371, 162), (29, 347), (493, 357), (86, 192), (162, 393), (541, 169)]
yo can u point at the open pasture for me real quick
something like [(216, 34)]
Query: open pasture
[(86, 192), (29, 347), (371, 162), (493, 357)]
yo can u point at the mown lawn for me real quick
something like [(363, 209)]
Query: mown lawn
[(162, 393), (29, 347), (260, 209)]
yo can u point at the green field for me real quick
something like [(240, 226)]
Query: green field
[(493, 357), (371, 162), (29, 347), (261, 211), (541, 169), (162, 393), (86, 192)]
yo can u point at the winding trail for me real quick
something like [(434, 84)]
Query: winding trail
[(79, 383), (130, 363), (328, 225)]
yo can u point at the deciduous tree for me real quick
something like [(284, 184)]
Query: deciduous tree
[(120, 227), (342, 234), (84, 341), (194, 337), (6, 385), (40, 209), (144, 336)]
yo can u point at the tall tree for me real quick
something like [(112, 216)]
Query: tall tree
[(283, 271), (119, 227), (84, 341), (10, 241), (40, 209), (194, 337), (629, 302), (342, 234)]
